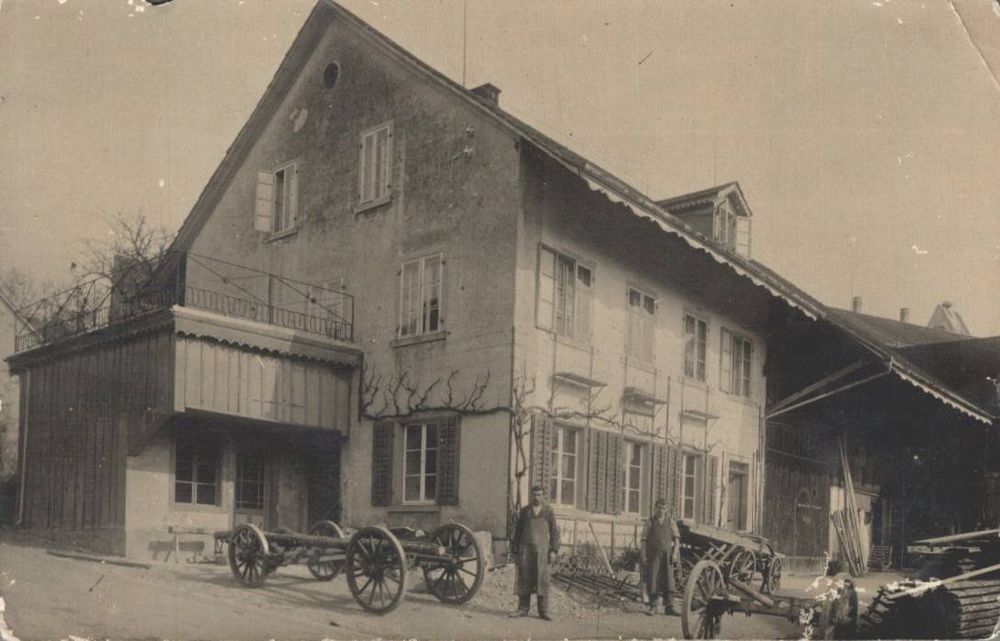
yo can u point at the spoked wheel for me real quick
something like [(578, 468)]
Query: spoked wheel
[(376, 569), (248, 555), (743, 566), (456, 580), (325, 563), (698, 619), (772, 576)]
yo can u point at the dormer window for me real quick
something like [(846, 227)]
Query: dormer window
[(731, 230)]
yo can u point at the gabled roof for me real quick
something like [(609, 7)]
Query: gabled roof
[(596, 178), (948, 319), (712, 196), (893, 333)]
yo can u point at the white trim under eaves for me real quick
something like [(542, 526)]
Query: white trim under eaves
[(595, 183), (941, 396)]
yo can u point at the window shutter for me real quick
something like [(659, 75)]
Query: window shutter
[(726, 362), (593, 469), (546, 288), (264, 208), (293, 195), (383, 434), (743, 236), (711, 481), (448, 452), (542, 432), (616, 476), (672, 491), (583, 304)]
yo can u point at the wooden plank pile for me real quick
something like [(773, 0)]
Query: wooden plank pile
[(964, 604), (852, 537)]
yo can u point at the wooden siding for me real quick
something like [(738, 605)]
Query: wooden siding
[(231, 380), (83, 409)]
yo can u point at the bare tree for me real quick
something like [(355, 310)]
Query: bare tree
[(133, 243)]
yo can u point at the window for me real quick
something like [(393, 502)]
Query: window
[(562, 485), (250, 481), (375, 171), (641, 326), (692, 484), (739, 473), (420, 305), (196, 472), (563, 295), (632, 488), (277, 199), (420, 463), (737, 357), (695, 346)]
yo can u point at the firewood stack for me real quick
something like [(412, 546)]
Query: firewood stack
[(956, 594)]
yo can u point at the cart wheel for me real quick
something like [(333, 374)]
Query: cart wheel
[(698, 621), (376, 569), (248, 555), (743, 566), (772, 576), (326, 563), (444, 578)]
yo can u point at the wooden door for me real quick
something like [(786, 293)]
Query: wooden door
[(252, 493)]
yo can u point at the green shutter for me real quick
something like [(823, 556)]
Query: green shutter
[(383, 434), (447, 470)]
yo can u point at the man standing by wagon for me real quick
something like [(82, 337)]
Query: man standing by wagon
[(534, 545), (658, 539)]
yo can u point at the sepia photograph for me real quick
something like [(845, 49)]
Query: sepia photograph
[(499, 319)]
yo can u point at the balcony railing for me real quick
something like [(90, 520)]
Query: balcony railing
[(188, 280)]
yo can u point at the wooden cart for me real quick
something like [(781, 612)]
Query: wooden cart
[(374, 558), (739, 556), (709, 593)]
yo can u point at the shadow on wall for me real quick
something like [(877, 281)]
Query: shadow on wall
[(8, 500)]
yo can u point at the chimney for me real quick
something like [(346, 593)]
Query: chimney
[(856, 304), (904, 314), (488, 93)]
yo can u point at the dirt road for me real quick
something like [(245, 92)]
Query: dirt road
[(52, 598)]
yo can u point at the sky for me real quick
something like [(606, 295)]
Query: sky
[(865, 134)]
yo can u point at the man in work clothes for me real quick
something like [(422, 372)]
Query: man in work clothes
[(534, 545), (658, 539)]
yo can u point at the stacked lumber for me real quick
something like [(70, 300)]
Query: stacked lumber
[(852, 537), (962, 610), (956, 594)]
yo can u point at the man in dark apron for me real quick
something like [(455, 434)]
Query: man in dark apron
[(534, 545), (657, 558)]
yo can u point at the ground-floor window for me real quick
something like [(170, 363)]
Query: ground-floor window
[(420, 463), (196, 472), (739, 474), (692, 483), (250, 481), (632, 488), (562, 485)]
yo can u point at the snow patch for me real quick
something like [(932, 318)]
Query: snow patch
[(6, 634)]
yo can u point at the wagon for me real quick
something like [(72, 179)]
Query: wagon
[(374, 559), (739, 556), (717, 569)]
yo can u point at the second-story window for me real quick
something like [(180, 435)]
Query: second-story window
[(641, 326), (277, 199), (420, 296), (695, 346), (563, 295), (375, 169), (737, 357)]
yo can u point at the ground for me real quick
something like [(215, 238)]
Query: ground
[(49, 597)]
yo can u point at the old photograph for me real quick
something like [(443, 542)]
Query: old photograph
[(499, 319)]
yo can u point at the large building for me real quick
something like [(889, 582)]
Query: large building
[(395, 303)]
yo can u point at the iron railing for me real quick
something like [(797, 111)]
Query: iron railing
[(188, 280)]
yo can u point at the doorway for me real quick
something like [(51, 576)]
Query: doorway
[(252, 495)]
